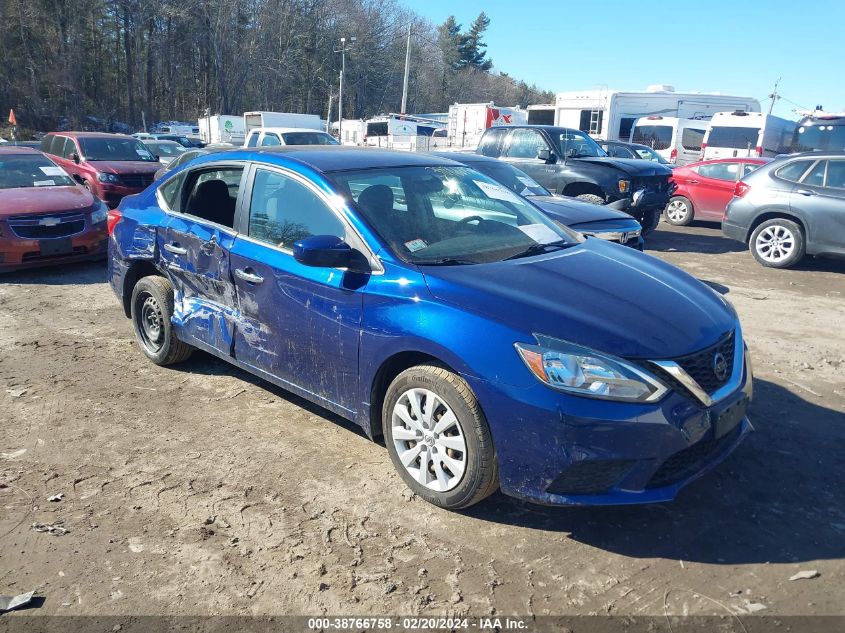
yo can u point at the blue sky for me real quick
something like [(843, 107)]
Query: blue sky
[(739, 47)]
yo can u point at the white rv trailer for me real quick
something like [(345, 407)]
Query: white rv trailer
[(610, 114)]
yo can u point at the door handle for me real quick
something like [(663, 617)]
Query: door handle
[(248, 275), (805, 192), (175, 249), (692, 182)]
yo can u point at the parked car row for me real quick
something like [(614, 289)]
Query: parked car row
[(783, 209)]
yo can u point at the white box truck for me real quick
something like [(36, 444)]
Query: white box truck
[(253, 120), (610, 114), (467, 122), (747, 134), (222, 128)]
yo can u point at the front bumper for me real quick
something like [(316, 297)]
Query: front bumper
[(557, 449), (624, 231), (112, 194), (17, 253)]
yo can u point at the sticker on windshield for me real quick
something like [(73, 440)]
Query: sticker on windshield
[(497, 192), (528, 182), (44, 183), (52, 170), (143, 153), (415, 245), (540, 233)]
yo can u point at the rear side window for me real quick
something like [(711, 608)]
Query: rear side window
[(654, 136), (283, 210), (719, 171), (252, 141), (491, 143), (815, 177), (794, 170), (691, 139), (213, 194), (747, 168), (733, 137), (526, 144), (46, 143), (836, 174), (171, 192), (618, 151)]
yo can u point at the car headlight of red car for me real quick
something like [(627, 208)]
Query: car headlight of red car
[(100, 213)]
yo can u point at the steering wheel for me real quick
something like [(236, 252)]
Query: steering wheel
[(471, 218)]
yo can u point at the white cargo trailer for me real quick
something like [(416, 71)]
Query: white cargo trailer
[(610, 114), (253, 120), (222, 128), (467, 121), (380, 128)]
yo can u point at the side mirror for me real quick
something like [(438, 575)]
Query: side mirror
[(546, 155), (323, 251), (75, 158)]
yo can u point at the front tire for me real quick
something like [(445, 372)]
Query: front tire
[(438, 437), (152, 308), (591, 198), (678, 211), (778, 243)]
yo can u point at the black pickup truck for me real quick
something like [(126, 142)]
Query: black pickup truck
[(570, 163)]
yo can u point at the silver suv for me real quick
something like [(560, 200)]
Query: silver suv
[(791, 207)]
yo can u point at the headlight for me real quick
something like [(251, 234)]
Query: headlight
[(104, 177), (624, 186), (584, 372), (100, 214)]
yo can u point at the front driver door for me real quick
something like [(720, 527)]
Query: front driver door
[(714, 190), (297, 323), (521, 151), (193, 249)]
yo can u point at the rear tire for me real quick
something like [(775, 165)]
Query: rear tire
[(678, 211), (591, 198), (778, 243), (438, 437), (152, 308)]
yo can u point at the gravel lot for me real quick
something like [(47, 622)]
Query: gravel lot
[(199, 489)]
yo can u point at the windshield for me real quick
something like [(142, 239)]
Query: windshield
[(574, 144), (168, 149), (31, 170), (517, 181), (449, 215), (826, 137), (103, 148), (654, 136), (308, 138)]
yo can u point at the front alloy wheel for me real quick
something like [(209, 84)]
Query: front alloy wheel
[(438, 438), (678, 212)]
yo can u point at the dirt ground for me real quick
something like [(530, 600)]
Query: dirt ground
[(198, 489)]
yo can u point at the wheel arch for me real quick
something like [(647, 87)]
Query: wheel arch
[(137, 270), (391, 367), (772, 214), (583, 187)]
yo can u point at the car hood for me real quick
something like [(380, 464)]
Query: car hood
[(121, 167), (570, 211), (34, 200), (595, 294), (630, 166)]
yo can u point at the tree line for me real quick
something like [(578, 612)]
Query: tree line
[(114, 63)]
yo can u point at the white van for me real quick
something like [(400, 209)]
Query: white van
[(747, 134), (676, 140)]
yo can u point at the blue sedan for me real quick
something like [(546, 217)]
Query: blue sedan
[(489, 346)]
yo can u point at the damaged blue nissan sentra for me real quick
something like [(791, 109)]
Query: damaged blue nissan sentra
[(490, 347)]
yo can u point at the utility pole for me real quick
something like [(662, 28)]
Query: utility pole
[(329, 113), (774, 96), (407, 72), (342, 50)]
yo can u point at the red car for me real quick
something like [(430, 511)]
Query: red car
[(704, 189), (110, 165), (45, 216)]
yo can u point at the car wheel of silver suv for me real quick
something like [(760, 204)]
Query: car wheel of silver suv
[(777, 243)]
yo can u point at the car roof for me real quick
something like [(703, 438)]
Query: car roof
[(465, 157), (91, 135), (163, 141), (735, 159), (549, 128), (10, 150), (333, 158), (283, 130)]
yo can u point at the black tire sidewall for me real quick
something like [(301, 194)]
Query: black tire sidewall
[(144, 287), (474, 427), (792, 227)]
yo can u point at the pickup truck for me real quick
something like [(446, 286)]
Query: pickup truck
[(568, 162)]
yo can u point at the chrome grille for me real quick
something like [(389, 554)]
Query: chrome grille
[(47, 225)]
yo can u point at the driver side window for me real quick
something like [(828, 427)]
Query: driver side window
[(526, 144)]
